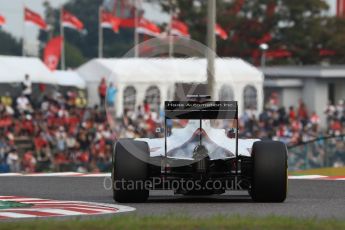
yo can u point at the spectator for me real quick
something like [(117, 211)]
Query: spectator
[(102, 91), (27, 87), (329, 111), (3, 147), (6, 100), (147, 107), (29, 162), (5, 120), (4, 167), (23, 104), (71, 142), (315, 121), (342, 119), (61, 144), (43, 161), (80, 101), (111, 95), (302, 113), (335, 127), (292, 114), (13, 160)]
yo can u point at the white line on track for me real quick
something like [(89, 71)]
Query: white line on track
[(16, 215), (76, 174), (304, 177)]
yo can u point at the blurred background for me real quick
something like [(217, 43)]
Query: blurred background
[(61, 63)]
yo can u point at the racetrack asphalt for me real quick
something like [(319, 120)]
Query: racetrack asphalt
[(306, 198)]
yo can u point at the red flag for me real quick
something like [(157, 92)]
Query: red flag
[(110, 21), (145, 26), (71, 21), (221, 32), (2, 20), (32, 17), (179, 28), (149, 28), (326, 52), (278, 53), (264, 39), (52, 52), (128, 22)]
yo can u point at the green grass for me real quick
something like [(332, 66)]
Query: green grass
[(178, 222), (321, 171)]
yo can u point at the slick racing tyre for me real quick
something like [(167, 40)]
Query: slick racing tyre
[(130, 171), (269, 179)]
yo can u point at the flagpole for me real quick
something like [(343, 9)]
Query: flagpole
[(62, 33), (211, 43), (136, 35), (100, 33), (171, 45), (24, 32)]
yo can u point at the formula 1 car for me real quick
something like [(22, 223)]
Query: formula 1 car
[(200, 154)]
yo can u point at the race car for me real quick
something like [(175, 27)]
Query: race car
[(200, 154)]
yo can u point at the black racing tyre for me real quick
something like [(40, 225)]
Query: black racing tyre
[(129, 170), (269, 179)]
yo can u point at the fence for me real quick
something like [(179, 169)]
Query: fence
[(318, 153)]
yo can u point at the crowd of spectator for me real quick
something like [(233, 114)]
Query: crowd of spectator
[(293, 125), (298, 128), (63, 133), (68, 136)]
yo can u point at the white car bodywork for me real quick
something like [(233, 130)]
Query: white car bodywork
[(182, 141)]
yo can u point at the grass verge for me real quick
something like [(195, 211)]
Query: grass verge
[(178, 222), (321, 171)]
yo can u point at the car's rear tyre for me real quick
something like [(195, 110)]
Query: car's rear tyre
[(130, 170), (269, 178)]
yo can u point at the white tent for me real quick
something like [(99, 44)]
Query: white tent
[(69, 78), (232, 76), (13, 70), (162, 70)]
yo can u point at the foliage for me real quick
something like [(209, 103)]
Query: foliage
[(334, 39), (9, 45), (304, 33), (74, 57), (301, 27)]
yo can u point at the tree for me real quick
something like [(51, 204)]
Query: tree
[(9, 45), (233, 16), (293, 25), (74, 57), (333, 40), (303, 33), (300, 27)]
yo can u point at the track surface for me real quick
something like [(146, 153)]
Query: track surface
[(306, 198)]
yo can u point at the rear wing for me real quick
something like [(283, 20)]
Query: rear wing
[(201, 110)]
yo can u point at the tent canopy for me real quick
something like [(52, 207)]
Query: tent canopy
[(13, 70), (168, 70), (69, 78)]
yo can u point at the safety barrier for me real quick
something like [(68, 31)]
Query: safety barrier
[(328, 151)]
